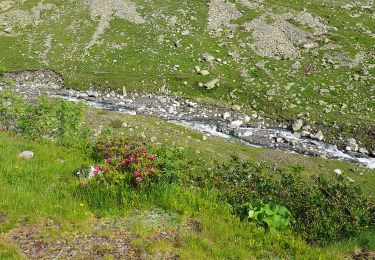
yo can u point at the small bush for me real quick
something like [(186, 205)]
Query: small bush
[(127, 166), (52, 118), (12, 110), (128, 169), (324, 209)]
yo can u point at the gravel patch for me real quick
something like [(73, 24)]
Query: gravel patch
[(252, 4), (278, 40), (221, 13)]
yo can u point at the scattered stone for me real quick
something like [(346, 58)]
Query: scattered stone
[(185, 33), (204, 72), (26, 155), (297, 125), (236, 107), (208, 57), (8, 30), (211, 84)]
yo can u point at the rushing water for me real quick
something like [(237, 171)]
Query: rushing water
[(211, 128)]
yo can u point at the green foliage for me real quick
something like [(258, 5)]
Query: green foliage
[(2, 70), (325, 209), (51, 118), (12, 110), (273, 217)]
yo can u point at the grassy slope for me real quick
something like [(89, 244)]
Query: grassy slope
[(42, 189), (146, 65)]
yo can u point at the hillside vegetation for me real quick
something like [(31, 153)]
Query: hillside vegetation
[(282, 59), (99, 158)]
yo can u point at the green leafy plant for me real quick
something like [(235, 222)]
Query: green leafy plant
[(325, 209), (273, 217)]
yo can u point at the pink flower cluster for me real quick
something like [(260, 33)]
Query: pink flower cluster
[(136, 161)]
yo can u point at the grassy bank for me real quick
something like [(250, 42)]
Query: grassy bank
[(42, 194)]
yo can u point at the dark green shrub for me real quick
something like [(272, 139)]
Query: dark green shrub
[(325, 209), (12, 110), (52, 118)]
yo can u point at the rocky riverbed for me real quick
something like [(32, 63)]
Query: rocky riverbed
[(212, 119)]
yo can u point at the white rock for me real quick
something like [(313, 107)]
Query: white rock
[(363, 151), (204, 72), (318, 136), (235, 124), (26, 155), (247, 134), (226, 115), (337, 171), (211, 84), (297, 125)]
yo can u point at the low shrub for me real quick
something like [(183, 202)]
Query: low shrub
[(51, 118), (325, 209), (127, 168)]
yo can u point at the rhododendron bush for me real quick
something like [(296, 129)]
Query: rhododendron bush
[(125, 164)]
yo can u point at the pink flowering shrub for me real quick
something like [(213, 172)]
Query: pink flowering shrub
[(125, 165)]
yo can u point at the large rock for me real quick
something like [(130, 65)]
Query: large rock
[(363, 151), (297, 125), (318, 136), (26, 155)]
